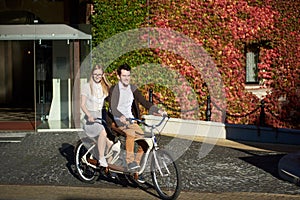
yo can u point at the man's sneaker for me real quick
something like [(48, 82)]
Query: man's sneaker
[(114, 175), (133, 165), (141, 179)]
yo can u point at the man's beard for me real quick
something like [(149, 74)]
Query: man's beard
[(125, 84)]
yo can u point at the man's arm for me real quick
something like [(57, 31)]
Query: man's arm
[(113, 100), (141, 99)]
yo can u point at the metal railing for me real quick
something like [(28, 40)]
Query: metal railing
[(261, 107)]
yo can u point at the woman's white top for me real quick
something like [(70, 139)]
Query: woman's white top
[(93, 102)]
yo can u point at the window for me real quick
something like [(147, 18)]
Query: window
[(252, 53)]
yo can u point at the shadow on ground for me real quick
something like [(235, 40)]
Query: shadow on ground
[(67, 151), (266, 161)]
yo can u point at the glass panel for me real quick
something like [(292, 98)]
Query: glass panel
[(43, 62), (52, 83), (57, 68)]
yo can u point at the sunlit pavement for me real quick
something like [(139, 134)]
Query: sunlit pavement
[(17, 192)]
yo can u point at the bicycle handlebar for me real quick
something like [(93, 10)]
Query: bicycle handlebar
[(99, 120), (143, 121), (102, 121)]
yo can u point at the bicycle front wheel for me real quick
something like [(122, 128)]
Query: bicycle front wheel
[(165, 175), (85, 172)]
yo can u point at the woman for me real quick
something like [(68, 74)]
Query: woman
[(93, 95)]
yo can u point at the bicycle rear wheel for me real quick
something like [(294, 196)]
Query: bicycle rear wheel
[(165, 175), (85, 172)]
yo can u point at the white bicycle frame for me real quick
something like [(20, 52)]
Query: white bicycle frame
[(116, 150)]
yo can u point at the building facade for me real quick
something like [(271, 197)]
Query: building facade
[(42, 45)]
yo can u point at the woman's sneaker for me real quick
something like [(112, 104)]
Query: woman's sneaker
[(102, 162)]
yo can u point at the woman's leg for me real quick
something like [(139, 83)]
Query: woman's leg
[(109, 143), (101, 148)]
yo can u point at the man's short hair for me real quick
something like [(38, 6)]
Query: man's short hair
[(124, 67)]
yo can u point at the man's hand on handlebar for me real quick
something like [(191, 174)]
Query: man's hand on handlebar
[(162, 113), (123, 119)]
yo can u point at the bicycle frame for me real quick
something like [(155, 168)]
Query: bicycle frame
[(84, 159), (150, 141)]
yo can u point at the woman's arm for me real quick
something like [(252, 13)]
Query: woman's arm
[(85, 110)]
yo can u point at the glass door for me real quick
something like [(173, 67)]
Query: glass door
[(57, 64)]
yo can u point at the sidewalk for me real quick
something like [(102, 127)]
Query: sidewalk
[(18, 192), (245, 145), (230, 169)]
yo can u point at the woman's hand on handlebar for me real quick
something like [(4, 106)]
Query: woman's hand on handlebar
[(91, 119)]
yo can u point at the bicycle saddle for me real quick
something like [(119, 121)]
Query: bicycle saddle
[(117, 130)]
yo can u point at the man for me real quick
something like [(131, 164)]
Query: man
[(124, 100)]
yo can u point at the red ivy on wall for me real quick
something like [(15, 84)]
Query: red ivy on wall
[(224, 28)]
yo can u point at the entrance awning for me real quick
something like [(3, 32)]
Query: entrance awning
[(41, 32)]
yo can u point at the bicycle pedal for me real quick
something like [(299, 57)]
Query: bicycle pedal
[(136, 176), (92, 161), (103, 170)]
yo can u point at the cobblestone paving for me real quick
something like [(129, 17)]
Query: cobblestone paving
[(47, 159)]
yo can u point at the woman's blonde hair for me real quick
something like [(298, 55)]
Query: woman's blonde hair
[(104, 83)]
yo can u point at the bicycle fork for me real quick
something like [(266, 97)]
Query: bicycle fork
[(159, 167)]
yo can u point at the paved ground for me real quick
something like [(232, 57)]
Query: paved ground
[(230, 169), (34, 192)]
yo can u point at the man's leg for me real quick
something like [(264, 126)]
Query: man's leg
[(133, 131), (138, 134), (129, 144)]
